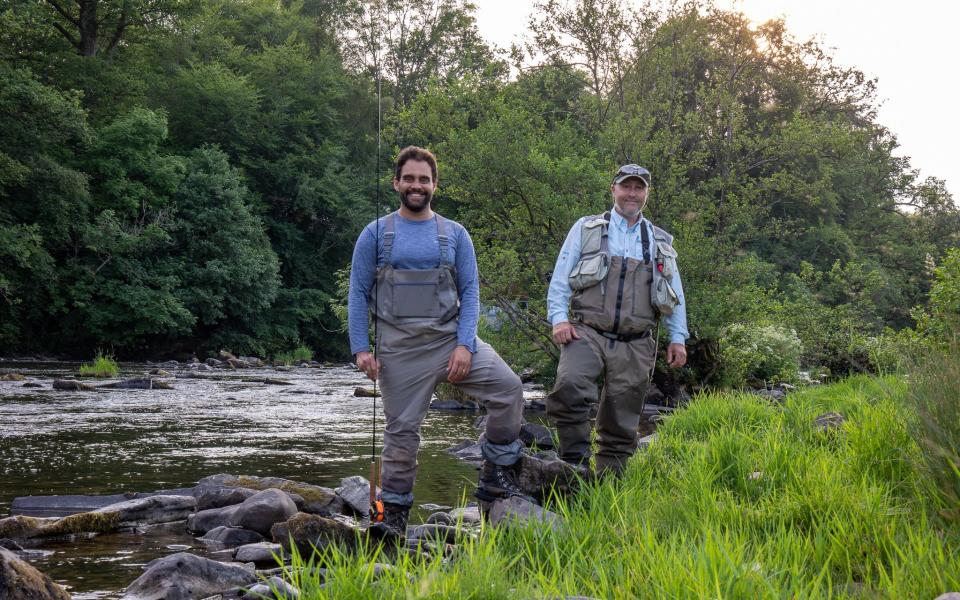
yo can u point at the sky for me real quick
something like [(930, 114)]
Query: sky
[(911, 47)]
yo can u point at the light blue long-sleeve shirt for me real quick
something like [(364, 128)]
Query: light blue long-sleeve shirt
[(414, 247), (623, 241)]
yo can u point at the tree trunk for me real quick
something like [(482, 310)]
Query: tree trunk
[(88, 28)]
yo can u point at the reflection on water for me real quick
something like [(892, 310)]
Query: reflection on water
[(56, 442)]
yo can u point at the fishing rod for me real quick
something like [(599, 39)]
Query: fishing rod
[(376, 505)]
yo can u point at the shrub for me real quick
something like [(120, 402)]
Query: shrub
[(103, 366), (296, 356), (764, 352)]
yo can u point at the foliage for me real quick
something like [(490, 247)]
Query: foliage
[(759, 352), (737, 498), (294, 357), (103, 366), (933, 396)]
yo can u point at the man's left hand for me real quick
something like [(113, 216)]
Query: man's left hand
[(458, 367), (676, 355)]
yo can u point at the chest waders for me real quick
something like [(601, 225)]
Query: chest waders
[(614, 315)]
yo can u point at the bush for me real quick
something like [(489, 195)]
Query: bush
[(296, 356), (103, 366), (760, 352)]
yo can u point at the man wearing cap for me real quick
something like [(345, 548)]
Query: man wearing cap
[(618, 277), (417, 272)]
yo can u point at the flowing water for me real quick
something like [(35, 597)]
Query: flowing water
[(113, 441)]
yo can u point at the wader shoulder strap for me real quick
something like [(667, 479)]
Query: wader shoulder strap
[(645, 241), (442, 238), (389, 232)]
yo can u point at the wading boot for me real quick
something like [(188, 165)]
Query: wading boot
[(497, 481), (393, 528)]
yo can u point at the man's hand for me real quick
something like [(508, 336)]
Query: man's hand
[(676, 355), (368, 364), (458, 366), (564, 333)]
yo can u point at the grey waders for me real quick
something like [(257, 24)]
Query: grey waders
[(418, 311)]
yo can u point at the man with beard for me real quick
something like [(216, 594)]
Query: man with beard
[(618, 273), (417, 272)]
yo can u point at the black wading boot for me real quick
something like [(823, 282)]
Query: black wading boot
[(497, 481), (394, 524)]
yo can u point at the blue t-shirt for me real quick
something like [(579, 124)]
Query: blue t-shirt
[(415, 246)]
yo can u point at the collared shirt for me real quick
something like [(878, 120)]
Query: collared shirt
[(623, 241)]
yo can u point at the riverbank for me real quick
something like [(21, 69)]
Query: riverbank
[(819, 497)]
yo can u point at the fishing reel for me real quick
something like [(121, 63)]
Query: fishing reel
[(376, 511)]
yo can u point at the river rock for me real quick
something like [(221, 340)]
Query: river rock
[(218, 497), (307, 531), (159, 373), (19, 580), (309, 498), (12, 377), (260, 511), (139, 383), (170, 364), (155, 509), (829, 422), (232, 536), (203, 521), (72, 385), (355, 492), (362, 392), (446, 534), (519, 510), (265, 590), (466, 514), (439, 518), (236, 363), (533, 434), (468, 450), (212, 362), (32, 384), (185, 576), (262, 554), (253, 361)]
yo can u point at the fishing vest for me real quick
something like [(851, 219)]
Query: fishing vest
[(414, 302), (619, 295)]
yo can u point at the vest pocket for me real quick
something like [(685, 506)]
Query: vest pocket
[(416, 293), (589, 271)]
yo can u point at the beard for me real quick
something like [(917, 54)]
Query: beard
[(415, 205), (630, 212)]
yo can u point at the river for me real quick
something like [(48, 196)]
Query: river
[(113, 441)]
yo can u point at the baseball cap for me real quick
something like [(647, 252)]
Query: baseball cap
[(628, 171)]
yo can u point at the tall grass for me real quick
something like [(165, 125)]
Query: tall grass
[(103, 366), (296, 356), (737, 498)]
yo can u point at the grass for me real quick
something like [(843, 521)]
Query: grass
[(296, 356), (103, 366), (737, 498)]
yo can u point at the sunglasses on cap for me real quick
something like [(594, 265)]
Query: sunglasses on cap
[(627, 171)]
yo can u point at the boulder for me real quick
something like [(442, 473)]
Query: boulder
[(262, 554), (32, 384), (185, 576), (355, 492), (212, 362), (362, 392), (170, 364), (533, 434), (159, 373), (61, 506), (72, 385), (253, 361), (218, 497), (232, 536), (12, 377), (203, 521), (260, 511), (20, 528), (236, 363), (829, 422), (265, 590), (308, 497), (466, 514), (226, 355), (154, 509), (19, 580), (434, 532), (307, 532), (518, 510), (439, 518), (468, 450)]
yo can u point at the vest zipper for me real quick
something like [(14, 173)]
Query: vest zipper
[(623, 277)]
